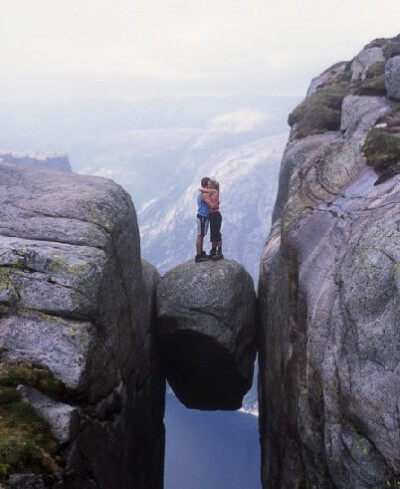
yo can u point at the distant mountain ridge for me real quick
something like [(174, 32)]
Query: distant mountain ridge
[(51, 161)]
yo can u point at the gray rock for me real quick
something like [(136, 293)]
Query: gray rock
[(392, 77), (359, 114), (327, 77), (49, 161), (365, 59), (329, 308), (207, 329), (62, 418), (26, 481), (73, 299)]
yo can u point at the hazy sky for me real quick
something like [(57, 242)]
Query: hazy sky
[(69, 49)]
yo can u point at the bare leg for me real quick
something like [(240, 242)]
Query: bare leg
[(199, 245)]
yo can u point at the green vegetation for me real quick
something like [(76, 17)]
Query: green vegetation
[(26, 444), (381, 149), (321, 111), (374, 83), (392, 48)]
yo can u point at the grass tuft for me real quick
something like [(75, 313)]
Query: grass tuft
[(26, 443)]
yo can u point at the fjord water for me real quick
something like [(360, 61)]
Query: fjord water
[(210, 449)]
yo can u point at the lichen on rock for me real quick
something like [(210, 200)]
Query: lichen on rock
[(73, 300)]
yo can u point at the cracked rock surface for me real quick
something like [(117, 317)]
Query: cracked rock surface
[(73, 299), (329, 306), (207, 331)]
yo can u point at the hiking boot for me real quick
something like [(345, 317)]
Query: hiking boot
[(200, 258), (218, 256), (212, 253)]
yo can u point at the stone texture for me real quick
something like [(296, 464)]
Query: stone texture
[(206, 324), (392, 77), (49, 161), (26, 481), (73, 299), (327, 77), (329, 307), (364, 60), (360, 113), (62, 418)]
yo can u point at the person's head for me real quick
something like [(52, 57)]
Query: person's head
[(213, 184), (204, 181)]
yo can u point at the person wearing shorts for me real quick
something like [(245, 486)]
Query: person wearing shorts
[(212, 190), (203, 221)]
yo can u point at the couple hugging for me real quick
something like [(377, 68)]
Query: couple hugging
[(208, 214)]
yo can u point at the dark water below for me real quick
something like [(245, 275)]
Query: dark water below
[(210, 450)]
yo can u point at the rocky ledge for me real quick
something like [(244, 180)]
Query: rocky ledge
[(207, 329), (81, 392)]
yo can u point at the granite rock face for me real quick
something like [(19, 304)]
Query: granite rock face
[(392, 75), (364, 60), (329, 307), (73, 299), (207, 330)]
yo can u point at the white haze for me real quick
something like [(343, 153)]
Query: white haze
[(130, 49)]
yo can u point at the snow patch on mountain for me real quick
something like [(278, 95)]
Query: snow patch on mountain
[(239, 121)]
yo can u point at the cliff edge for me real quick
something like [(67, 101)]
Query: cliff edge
[(81, 391), (329, 285)]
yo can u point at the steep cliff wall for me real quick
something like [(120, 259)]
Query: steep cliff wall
[(76, 309), (329, 286)]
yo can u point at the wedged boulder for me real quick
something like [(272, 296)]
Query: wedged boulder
[(77, 310), (329, 305), (207, 331)]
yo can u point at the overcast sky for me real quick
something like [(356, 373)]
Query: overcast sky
[(135, 49)]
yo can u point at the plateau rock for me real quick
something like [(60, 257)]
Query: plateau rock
[(74, 300), (207, 331), (48, 161), (329, 299)]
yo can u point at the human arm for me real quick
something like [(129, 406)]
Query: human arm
[(207, 190), (205, 197), (211, 200)]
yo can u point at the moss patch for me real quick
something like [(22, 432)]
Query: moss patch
[(382, 151), (391, 49), (374, 83), (26, 443), (321, 111)]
